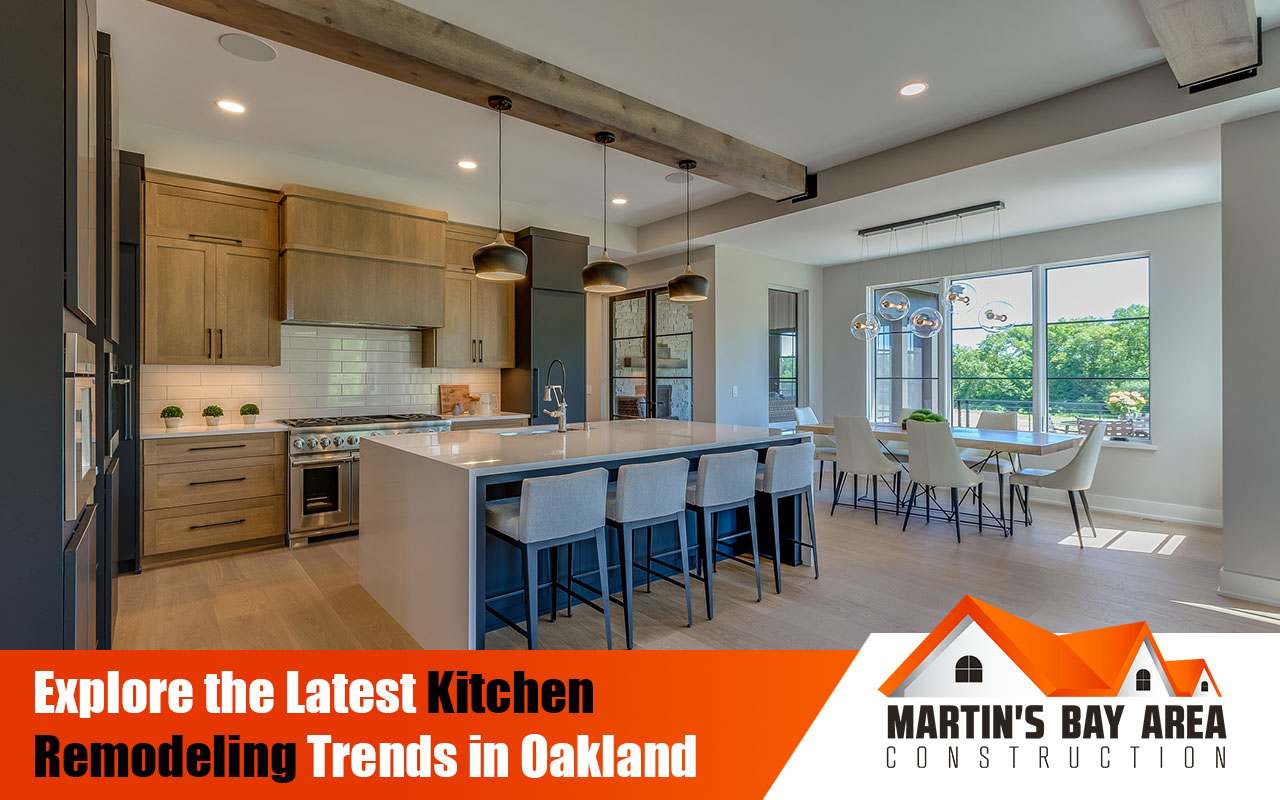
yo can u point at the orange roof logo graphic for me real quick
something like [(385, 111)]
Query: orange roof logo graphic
[(1092, 663)]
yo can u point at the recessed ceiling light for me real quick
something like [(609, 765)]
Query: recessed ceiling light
[(912, 89), (619, 201), (231, 106), (467, 164), (247, 47)]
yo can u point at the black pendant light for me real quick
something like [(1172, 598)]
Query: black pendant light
[(604, 275), (500, 261), (689, 286)]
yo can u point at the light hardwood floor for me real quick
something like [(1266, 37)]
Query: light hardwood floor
[(873, 579)]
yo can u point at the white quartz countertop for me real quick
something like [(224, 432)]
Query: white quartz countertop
[(494, 417), (200, 429), (491, 452)]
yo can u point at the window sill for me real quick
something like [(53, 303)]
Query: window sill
[(1130, 445)]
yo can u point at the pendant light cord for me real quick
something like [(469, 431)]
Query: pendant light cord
[(687, 180), (500, 173), (604, 198)]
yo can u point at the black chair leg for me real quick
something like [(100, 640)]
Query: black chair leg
[(648, 560), (928, 507), (838, 482), (684, 567), (855, 491), (531, 595), (1076, 516), (813, 532), (625, 566), (708, 548), (777, 546), (875, 498), (910, 505), (980, 508), (821, 464), (1088, 514), (897, 492), (602, 566), (955, 511), (555, 578), (568, 569), (755, 545)]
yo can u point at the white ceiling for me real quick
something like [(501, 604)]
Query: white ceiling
[(814, 80)]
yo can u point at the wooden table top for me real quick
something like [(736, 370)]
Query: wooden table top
[(1031, 443)]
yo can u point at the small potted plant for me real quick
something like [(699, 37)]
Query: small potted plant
[(212, 415), (172, 416), (249, 413), (922, 415)]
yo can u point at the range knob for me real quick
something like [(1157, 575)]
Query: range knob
[(325, 442), (353, 439), (313, 442)]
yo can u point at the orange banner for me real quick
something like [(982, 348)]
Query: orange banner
[(716, 723)]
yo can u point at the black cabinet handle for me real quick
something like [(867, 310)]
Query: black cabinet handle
[(215, 447), (208, 237), (481, 351), (240, 521), (208, 342), (222, 340), (220, 480)]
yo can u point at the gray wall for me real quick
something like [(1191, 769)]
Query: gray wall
[(1250, 357), (1182, 478)]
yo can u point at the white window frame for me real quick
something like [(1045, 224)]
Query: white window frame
[(1040, 335)]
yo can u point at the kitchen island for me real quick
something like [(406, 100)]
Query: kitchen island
[(423, 552)]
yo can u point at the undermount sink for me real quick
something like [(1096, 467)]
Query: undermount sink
[(538, 431)]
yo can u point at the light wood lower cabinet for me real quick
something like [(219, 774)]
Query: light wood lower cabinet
[(479, 325), (208, 491), (172, 530), (209, 304)]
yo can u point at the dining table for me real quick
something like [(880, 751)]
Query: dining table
[(1027, 443)]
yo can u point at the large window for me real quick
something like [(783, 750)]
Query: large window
[(1076, 353), (907, 367), (644, 323), (1099, 359), (994, 371)]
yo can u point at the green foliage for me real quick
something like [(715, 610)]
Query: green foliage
[(171, 412), (249, 409), (925, 415), (212, 411), (1087, 360)]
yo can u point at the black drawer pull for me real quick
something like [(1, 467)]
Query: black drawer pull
[(220, 480), (216, 447), (240, 521), (210, 237)]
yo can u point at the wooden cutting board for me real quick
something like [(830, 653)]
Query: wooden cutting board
[(452, 393)]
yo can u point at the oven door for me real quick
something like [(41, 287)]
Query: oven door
[(80, 445), (320, 492)]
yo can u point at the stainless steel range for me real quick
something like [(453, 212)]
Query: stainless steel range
[(324, 467)]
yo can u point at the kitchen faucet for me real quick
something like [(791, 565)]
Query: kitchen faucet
[(554, 393)]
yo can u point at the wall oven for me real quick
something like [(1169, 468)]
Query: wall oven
[(323, 488), (80, 433)]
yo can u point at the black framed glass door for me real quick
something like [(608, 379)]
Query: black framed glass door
[(651, 356)]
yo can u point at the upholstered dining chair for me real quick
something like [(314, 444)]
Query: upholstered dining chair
[(858, 453), (824, 447), (936, 464), (1075, 478)]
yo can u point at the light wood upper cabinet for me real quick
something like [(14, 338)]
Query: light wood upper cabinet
[(493, 323), (248, 327), (325, 288), (479, 325), (180, 207), (209, 304), (461, 240), (341, 224), (179, 291)]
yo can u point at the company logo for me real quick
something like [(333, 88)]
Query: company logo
[(979, 650)]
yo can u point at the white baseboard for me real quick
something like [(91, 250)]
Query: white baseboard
[(1148, 509), (1249, 587)]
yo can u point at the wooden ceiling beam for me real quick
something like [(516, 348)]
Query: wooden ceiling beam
[(1204, 39), (391, 39)]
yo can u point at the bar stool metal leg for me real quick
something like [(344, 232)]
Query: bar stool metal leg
[(531, 595), (709, 544), (755, 547), (813, 531), (624, 547), (777, 546), (602, 560), (684, 566)]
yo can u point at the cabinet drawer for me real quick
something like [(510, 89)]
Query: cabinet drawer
[(211, 448), (173, 529), (204, 214), (172, 485)]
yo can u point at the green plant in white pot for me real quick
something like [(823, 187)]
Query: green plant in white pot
[(212, 415), (172, 416), (249, 413)]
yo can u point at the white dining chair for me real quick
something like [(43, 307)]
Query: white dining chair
[(1075, 478), (824, 447), (979, 459), (936, 464), (858, 453)]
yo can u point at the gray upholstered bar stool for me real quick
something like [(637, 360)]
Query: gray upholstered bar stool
[(725, 482), (550, 512), (644, 496), (788, 472)]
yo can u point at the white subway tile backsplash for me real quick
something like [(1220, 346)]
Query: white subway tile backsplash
[(323, 371)]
